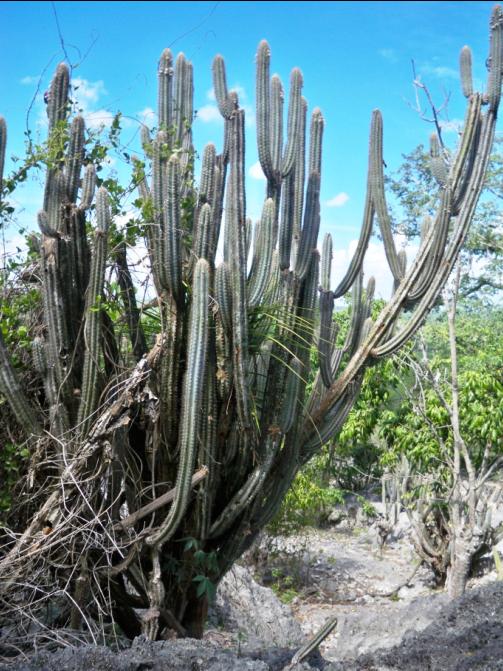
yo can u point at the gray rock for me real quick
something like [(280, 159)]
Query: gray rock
[(244, 606), (467, 635), (180, 655)]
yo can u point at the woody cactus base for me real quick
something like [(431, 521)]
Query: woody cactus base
[(156, 465)]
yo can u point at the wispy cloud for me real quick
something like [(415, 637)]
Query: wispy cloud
[(256, 172), (29, 80), (388, 55), (439, 71), (338, 201), (147, 116), (209, 114), (86, 93)]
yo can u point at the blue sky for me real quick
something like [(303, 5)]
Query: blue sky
[(355, 56)]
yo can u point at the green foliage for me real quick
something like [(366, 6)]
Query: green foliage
[(424, 438), (308, 501)]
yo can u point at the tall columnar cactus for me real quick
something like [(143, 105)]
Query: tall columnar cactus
[(223, 391)]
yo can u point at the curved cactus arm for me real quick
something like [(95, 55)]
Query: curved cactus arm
[(376, 177), (465, 157), (74, 159), (45, 228), (294, 122), (11, 389), (465, 69), (372, 346), (332, 422), (356, 263), (57, 105), (192, 400), (263, 93), (165, 91), (441, 225), (259, 278), (245, 495), (92, 330)]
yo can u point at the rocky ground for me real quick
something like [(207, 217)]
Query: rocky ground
[(390, 615)]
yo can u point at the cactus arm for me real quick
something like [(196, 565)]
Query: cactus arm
[(276, 130), (294, 122), (438, 166), (326, 262), (259, 279), (202, 240), (376, 176), (465, 69), (126, 285), (88, 187), (238, 269), (316, 141), (172, 231), (493, 93), (224, 102), (325, 342), (245, 495), (263, 94), (74, 159), (289, 409), (58, 96), (192, 398), (310, 228), (11, 389), (165, 91), (92, 329)]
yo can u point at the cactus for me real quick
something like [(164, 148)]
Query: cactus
[(224, 387)]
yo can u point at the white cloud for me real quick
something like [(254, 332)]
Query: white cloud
[(98, 118), (85, 92), (387, 54), (375, 265), (147, 116), (209, 114), (256, 172), (210, 94), (29, 80), (440, 71), (338, 201)]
